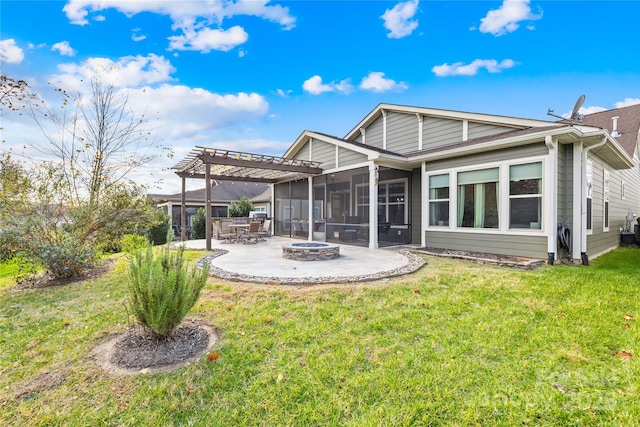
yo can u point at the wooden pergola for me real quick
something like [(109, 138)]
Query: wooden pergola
[(226, 165)]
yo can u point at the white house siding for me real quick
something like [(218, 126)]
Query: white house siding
[(438, 132), (402, 132), (325, 153), (348, 157), (601, 241), (524, 246), (479, 130), (538, 149)]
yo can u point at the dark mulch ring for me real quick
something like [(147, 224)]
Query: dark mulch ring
[(47, 281), (138, 350), (482, 257)]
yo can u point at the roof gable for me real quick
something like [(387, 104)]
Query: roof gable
[(628, 125)]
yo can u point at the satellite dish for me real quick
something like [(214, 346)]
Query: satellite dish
[(574, 113), (576, 108)]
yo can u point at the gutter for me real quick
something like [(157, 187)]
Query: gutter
[(583, 222)]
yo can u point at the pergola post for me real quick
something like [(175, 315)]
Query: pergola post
[(183, 211), (207, 204)]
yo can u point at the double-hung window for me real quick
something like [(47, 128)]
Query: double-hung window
[(439, 200), (589, 196), (478, 200), (525, 196)]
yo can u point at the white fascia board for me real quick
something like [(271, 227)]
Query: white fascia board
[(515, 122), (297, 145)]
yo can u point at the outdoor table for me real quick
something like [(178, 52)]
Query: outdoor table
[(236, 228)]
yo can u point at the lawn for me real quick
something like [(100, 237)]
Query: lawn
[(455, 343)]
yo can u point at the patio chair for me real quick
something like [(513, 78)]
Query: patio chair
[(266, 229), (226, 233), (298, 230), (252, 232)]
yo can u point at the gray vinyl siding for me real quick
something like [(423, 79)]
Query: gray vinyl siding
[(402, 132), (565, 184), (416, 205), (348, 157), (437, 132), (601, 241), (479, 130), (358, 138), (325, 153), (303, 153), (524, 246), (539, 149), (373, 133)]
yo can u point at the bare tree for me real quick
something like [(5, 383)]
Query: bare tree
[(98, 138)]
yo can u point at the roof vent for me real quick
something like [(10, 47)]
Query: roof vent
[(615, 132)]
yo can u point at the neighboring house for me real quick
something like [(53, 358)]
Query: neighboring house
[(222, 195), (464, 181)]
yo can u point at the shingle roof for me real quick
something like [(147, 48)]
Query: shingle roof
[(628, 124)]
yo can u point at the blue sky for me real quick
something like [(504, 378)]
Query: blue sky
[(252, 75)]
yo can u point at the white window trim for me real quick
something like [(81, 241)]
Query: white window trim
[(606, 204), (524, 196), (503, 223), (429, 200)]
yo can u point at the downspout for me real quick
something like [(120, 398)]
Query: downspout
[(583, 223), (552, 188)]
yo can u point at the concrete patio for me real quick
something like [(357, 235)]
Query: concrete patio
[(262, 262)]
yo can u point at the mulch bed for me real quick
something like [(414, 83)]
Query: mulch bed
[(47, 281), (141, 348)]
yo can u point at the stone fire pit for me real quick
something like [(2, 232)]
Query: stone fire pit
[(310, 251)]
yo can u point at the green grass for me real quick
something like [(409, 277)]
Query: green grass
[(455, 343)]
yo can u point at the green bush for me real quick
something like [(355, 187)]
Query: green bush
[(162, 288), (133, 242), (157, 232), (67, 256), (198, 225), (241, 208)]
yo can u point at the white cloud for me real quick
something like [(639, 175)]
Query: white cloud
[(64, 48), (207, 39), (315, 86), (199, 23), (185, 112), (10, 53), (376, 82), (460, 69), (128, 71), (399, 20), (135, 37), (283, 93), (505, 19), (627, 102)]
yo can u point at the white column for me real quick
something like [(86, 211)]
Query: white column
[(424, 206), (578, 194), (420, 130), (384, 129), (310, 221), (465, 130), (550, 196), (373, 205), (207, 205)]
